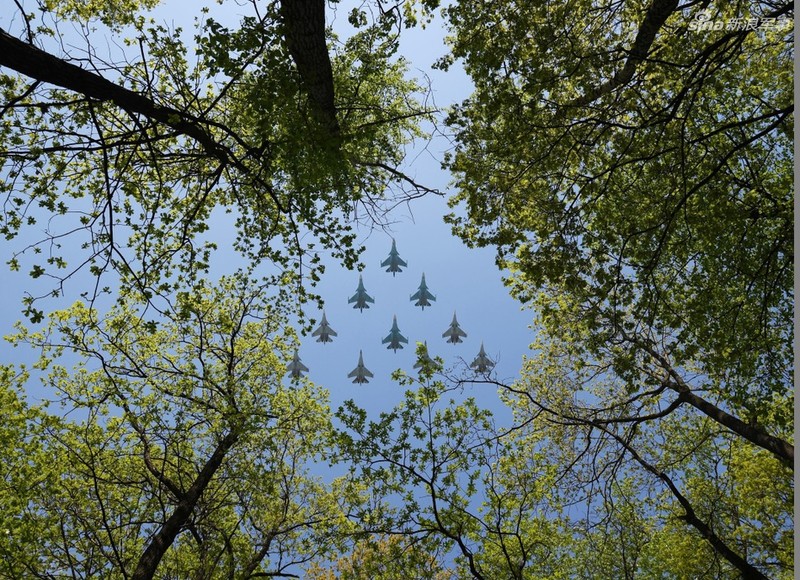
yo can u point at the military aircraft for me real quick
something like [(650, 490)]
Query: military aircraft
[(394, 338), (482, 363), (324, 330), (394, 261), (454, 333), (360, 373), (296, 368), (422, 295), (361, 297), (425, 359)]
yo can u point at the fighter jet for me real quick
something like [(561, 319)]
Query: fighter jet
[(361, 297), (394, 338), (482, 363), (394, 261), (296, 368), (454, 334), (324, 330), (425, 359), (422, 295), (360, 373)]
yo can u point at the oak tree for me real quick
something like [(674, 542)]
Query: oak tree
[(632, 164), (179, 450), (274, 122)]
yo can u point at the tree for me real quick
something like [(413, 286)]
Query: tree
[(666, 490), (634, 171), (586, 482), (646, 174), (190, 456), (441, 470), (630, 164), (132, 156), (385, 558), (175, 412)]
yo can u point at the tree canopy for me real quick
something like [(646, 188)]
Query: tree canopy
[(191, 456), (636, 177), (133, 155), (631, 162)]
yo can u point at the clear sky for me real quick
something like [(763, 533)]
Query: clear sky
[(465, 281)]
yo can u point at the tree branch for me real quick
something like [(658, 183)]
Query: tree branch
[(41, 66), (160, 543), (754, 434), (654, 19), (747, 569), (37, 64)]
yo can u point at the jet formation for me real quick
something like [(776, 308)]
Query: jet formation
[(394, 340)]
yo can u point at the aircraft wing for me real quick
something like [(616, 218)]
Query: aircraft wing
[(394, 262), (451, 332), (395, 338), (360, 298), (357, 373), (415, 295), (297, 366), (324, 333)]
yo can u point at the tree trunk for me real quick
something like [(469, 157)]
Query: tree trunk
[(304, 31)]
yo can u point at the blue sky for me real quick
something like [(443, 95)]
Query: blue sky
[(463, 280)]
